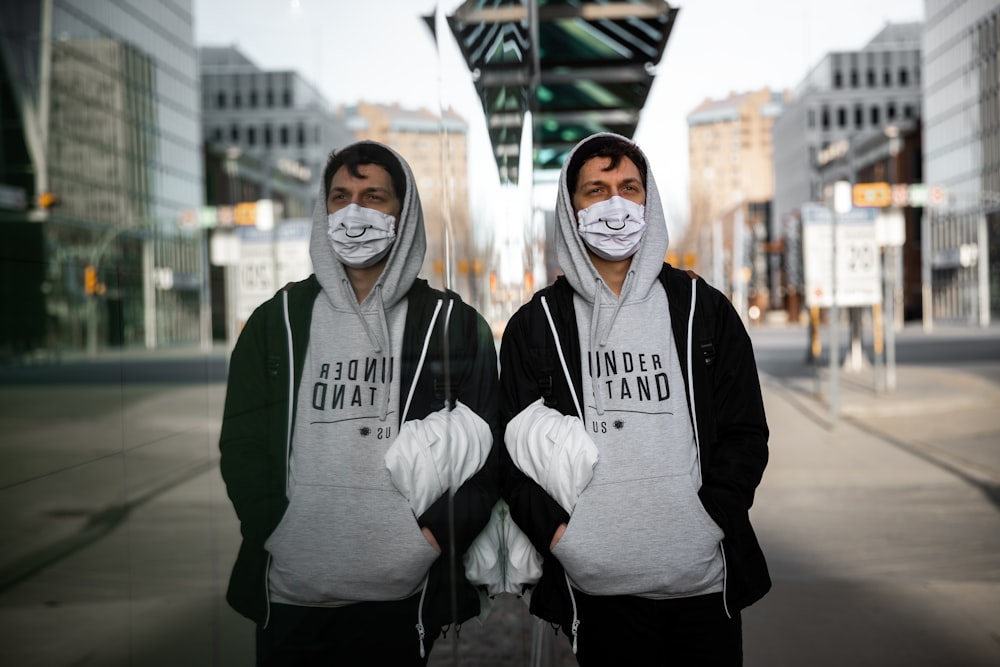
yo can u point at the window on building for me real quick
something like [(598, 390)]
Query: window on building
[(217, 135), (220, 99), (283, 135), (841, 117), (251, 136), (267, 136), (301, 132), (286, 98), (253, 99), (871, 77), (890, 111), (886, 77), (838, 79), (269, 98), (854, 78), (875, 116), (859, 116), (234, 133), (237, 100), (909, 111), (904, 76), (825, 118)]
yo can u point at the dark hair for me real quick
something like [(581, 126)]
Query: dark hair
[(613, 148), (366, 152)]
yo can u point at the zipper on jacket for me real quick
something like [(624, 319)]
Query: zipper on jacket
[(420, 615), (291, 388), (697, 438)]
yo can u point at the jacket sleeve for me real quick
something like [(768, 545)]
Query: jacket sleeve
[(738, 434), (536, 512), (254, 479), (473, 365)]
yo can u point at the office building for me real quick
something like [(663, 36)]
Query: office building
[(101, 155), (961, 88), (276, 118), (845, 100)]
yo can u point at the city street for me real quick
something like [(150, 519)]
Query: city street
[(881, 526)]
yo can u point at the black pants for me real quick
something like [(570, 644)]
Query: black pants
[(367, 633), (628, 630)]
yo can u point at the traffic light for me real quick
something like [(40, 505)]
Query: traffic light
[(90, 280), (47, 200)]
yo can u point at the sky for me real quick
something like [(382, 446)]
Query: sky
[(382, 51)]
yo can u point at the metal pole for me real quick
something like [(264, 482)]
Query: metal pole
[(925, 270), (890, 330), (983, 260)]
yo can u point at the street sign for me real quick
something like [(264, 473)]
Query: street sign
[(872, 194), (858, 270)]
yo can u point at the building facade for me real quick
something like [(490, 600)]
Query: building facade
[(101, 156), (436, 147), (730, 153), (277, 118), (961, 88), (844, 100)]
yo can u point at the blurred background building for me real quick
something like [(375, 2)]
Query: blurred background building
[(101, 155), (960, 240), (730, 156), (846, 100)]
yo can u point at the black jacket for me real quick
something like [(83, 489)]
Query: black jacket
[(259, 418), (731, 426)]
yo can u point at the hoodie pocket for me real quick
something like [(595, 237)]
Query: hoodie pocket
[(347, 544), (646, 536)]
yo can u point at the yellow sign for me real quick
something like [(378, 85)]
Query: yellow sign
[(872, 195)]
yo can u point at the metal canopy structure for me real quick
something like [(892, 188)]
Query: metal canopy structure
[(579, 67)]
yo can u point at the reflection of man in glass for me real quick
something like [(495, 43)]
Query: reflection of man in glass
[(348, 425), (635, 432)]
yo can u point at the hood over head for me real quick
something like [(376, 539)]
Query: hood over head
[(403, 261), (571, 251)]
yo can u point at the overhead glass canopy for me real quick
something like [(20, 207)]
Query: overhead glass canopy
[(579, 66)]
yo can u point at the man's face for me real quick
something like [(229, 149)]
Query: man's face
[(594, 184), (373, 191)]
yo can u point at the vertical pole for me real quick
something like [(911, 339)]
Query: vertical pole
[(890, 332), (926, 294), (983, 263)]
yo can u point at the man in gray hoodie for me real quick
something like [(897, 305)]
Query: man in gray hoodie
[(635, 432), (357, 436)]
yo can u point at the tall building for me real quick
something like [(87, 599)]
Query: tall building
[(436, 146), (961, 87), (276, 118), (731, 185), (846, 98), (101, 155), (730, 153)]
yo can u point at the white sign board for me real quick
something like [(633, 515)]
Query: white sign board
[(858, 269), (291, 250), (255, 279)]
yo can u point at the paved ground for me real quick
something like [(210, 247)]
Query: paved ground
[(882, 529)]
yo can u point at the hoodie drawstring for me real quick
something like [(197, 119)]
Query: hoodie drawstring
[(420, 618), (576, 621), (378, 342), (599, 336)]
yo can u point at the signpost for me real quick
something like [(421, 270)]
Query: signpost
[(858, 275)]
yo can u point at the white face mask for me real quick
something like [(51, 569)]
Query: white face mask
[(360, 236), (612, 228)]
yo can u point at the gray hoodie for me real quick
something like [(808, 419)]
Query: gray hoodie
[(639, 527), (348, 534)]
